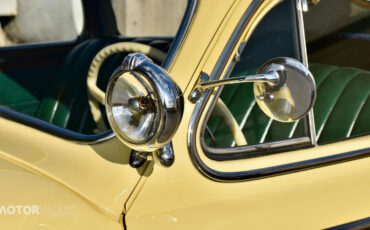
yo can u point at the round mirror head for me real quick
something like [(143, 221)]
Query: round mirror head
[(143, 105), (292, 97)]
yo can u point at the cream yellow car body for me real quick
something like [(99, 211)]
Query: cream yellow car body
[(96, 188)]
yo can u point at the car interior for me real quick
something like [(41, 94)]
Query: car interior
[(48, 81)]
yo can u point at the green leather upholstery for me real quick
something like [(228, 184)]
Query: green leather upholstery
[(20, 89), (66, 103), (14, 95), (56, 94), (342, 109), (342, 105)]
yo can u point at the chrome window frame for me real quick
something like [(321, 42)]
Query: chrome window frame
[(221, 176), (67, 134), (262, 148)]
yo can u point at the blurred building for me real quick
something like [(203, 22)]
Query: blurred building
[(149, 17), (35, 21)]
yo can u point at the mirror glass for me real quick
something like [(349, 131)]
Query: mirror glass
[(292, 97)]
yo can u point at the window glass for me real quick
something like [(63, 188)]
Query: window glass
[(338, 44), (36, 21), (275, 36), (148, 18), (337, 30)]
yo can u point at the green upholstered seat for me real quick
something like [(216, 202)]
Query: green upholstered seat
[(66, 103), (59, 98), (342, 109), (20, 89), (14, 95)]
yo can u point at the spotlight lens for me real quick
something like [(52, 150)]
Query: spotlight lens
[(133, 108)]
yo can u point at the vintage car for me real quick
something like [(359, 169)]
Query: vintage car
[(234, 123)]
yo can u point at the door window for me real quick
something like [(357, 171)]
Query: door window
[(275, 36), (338, 46)]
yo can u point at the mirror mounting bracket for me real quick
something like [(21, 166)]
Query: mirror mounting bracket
[(283, 87), (271, 78), (164, 156)]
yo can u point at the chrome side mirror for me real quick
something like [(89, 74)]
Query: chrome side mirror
[(144, 106), (292, 96), (284, 88)]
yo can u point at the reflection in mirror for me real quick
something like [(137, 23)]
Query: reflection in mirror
[(292, 97)]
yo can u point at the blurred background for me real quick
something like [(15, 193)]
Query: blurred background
[(36, 21)]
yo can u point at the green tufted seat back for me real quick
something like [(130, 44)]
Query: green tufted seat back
[(66, 102), (342, 109), (57, 94)]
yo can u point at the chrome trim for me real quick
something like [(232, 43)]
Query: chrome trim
[(194, 96), (250, 174), (165, 155), (167, 94), (279, 169), (303, 49), (304, 5), (55, 130), (307, 4), (275, 87), (137, 159), (182, 31), (271, 77), (296, 86), (246, 151), (52, 129), (361, 224), (132, 60), (220, 65), (234, 153)]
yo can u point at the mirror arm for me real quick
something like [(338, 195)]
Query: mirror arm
[(270, 77), (284, 88)]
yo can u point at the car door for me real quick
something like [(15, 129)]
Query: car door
[(283, 178), (52, 177)]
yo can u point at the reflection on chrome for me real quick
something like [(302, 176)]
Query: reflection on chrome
[(292, 97), (136, 127), (131, 107), (144, 106)]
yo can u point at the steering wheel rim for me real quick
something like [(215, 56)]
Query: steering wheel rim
[(96, 95)]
